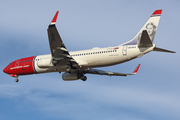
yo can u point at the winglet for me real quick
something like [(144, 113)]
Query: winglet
[(136, 70), (54, 19)]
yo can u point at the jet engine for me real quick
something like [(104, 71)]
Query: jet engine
[(70, 76), (73, 76)]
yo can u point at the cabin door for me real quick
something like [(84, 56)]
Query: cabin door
[(124, 50), (17, 62)]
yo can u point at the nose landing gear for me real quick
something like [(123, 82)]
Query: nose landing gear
[(16, 80)]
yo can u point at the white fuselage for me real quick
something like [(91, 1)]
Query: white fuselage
[(96, 57)]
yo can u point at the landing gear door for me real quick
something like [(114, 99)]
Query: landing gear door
[(124, 50)]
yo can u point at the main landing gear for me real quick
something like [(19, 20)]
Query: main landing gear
[(83, 78)]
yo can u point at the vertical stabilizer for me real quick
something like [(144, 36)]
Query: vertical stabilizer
[(150, 26)]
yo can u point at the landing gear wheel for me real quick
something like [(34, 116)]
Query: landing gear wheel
[(16, 80), (83, 78)]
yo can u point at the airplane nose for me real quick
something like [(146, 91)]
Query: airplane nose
[(5, 70)]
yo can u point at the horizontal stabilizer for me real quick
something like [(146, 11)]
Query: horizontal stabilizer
[(145, 40), (162, 50)]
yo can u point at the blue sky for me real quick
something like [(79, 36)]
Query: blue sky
[(151, 94)]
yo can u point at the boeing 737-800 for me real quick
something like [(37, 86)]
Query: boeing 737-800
[(78, 63)]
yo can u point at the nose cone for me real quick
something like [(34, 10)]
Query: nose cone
[(6, 70)]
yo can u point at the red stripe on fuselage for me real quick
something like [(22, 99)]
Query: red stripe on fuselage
[(22, 66)]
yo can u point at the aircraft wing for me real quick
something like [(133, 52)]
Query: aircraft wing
[(57, 47), (101, 72)]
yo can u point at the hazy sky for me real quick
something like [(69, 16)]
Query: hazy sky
[(152, 94)]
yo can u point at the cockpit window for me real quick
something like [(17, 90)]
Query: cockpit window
[(10, 63)]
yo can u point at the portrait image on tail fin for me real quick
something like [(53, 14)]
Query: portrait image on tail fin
[(151, 29), (150, 26)]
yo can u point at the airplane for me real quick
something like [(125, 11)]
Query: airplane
[(78, 63)]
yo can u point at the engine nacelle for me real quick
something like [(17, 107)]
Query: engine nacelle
[(70, 76), (45, 63)]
